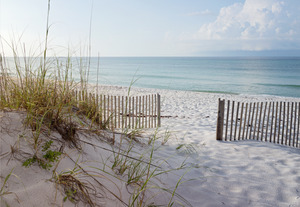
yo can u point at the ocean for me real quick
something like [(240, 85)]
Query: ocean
[(262, 76), (266, 76)]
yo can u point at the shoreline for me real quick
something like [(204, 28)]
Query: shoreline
[(111, 88), (124, 90)]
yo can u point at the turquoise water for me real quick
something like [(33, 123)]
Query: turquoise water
[(251, 76)]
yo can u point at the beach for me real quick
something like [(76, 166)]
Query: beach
[(237, 173)]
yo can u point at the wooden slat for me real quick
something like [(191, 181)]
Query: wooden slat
[(129, 112), (248, 123), (252, 120), (119, 112), (146, 104), (158, 110), (140, 112), (126, 109), (266, 139), (279, 124), (291, 124), (255, 122), (97, 108), (263, 122), (298, 125), (115, 112), (287, 122), (102, 97), (136, 112), (108, 111), (245, 121), (227, 115), (152, 113), (155, 110), (241, 122), (100, 109), (111, 112), (294, 137), (104, 107), (272, 117), (132, 111), (149, 120), (275, 124), (143, 112), (236, 119), (261, 108), (283, 123), (123, 111), (232, 111)]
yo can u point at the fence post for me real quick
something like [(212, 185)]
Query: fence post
[(220, 121)]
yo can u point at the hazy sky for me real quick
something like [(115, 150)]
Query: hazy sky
[(156, 27)]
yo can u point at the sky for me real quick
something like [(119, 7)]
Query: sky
[(152, 28)]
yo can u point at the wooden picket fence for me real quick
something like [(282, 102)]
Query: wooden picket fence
[(270, 122), (125, 112)]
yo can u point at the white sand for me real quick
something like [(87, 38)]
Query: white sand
[(241, 173)]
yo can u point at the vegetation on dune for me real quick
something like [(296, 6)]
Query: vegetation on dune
[(44, 87)]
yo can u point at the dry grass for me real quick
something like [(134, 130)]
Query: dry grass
[(44, 88)]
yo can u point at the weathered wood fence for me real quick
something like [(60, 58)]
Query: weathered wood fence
[(123, 111), (276, 122)]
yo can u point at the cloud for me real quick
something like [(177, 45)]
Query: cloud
[(255, 25), (202, 13)]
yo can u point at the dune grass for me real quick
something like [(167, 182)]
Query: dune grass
[(44, 88)]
